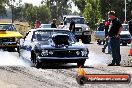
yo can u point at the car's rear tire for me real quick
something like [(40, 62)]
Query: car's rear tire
[(38, 64), (11, 49), (81, 63)]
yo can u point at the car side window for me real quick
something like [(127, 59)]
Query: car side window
[(28, 36)]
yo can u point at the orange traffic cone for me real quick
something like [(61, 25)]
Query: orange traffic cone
[(130, 51)]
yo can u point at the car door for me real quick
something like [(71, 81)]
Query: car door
[(26, 45)]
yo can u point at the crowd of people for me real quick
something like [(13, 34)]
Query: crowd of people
[(54, 25)]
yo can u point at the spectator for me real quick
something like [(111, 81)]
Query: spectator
[(130, 26), (72, 27), (107, 40), (114, 32), (107, 27), (37, 24), (53, 25)]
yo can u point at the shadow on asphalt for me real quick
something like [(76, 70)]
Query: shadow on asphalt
[(90, 43), (61, 66)]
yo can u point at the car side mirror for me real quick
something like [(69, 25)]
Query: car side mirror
[(87, 23), (65, 22), (34, 39)]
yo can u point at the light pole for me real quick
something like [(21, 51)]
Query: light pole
[(12, 10), (125, 10)]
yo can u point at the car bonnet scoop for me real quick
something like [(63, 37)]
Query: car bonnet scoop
[(60, 39)]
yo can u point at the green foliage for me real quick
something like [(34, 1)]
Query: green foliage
[(17, 12), (96, 10), (92, 12), (44, 14), (80, 4), (2, 7), (32, 13), (118, 6), (58, 8), (29, 13)]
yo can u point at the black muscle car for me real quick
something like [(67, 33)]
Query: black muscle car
[(53, 46)]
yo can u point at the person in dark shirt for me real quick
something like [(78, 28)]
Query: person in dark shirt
[(107, 42), (53, 25), (72, 27), (37, 24), (130, 26), (107, 27), (114, 34)]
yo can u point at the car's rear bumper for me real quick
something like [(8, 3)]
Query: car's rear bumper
[(61, 59), (125, 41)]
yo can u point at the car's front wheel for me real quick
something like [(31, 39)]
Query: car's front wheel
[(86, 39), (80, 63), (36, 63), (99, 42), (11, 49)]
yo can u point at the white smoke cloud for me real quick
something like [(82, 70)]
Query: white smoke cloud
[(12, 59)]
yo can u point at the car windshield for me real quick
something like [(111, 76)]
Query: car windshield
[(45, 35), (8, 27), (45, 26), (125, 27), (76, 20)]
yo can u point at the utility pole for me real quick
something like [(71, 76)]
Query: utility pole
[(12, 11), (125, 10)]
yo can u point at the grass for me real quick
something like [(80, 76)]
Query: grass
[(22, 27)]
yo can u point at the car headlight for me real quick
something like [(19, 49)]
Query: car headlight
[(44, 53), (51, 52), (77, 53), (84, 53), (87, 28), (12, 39)]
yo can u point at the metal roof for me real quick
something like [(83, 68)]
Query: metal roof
[(72, 16), (5, 23), (51, 29)]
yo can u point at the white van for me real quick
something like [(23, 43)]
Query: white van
[(125, 37)]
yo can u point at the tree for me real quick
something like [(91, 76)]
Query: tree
[(118, 6), (96, 10), (44, 14), (58, 8), (18, 13), (92, 12), (2, 7), (80, 4), (32, 13)]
